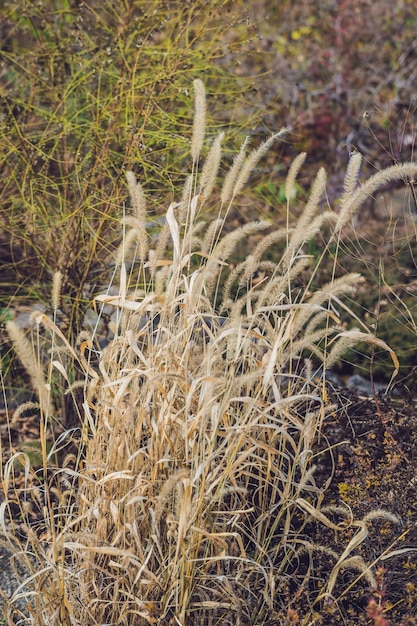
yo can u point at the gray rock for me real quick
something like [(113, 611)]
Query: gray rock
[(364, 386), (11, 575)]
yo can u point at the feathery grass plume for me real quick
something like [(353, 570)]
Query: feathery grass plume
[(252, 160), (357, 336), (337, 351), (317, 190), (212, 236), (381, 514), (306, 228), (300, 237), (199, 126), (191, 228), (156, 256), (358, 538), (138, 201), (295, 167), (309, 547), (351, 203), (311, 343), (225, 247), (56, 289), (211, 168), (357, 563), (315, 320), (276, 290), (29, 360), (227, 244), (22, 408), (341, 510), (131, 237), (252, 261), (231, 176), (160, 280), (188, 192), (350, 182), (332, 290)]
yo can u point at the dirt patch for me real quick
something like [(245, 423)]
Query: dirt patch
[(371, 448)]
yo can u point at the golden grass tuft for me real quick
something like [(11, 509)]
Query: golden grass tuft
[(188, 499)]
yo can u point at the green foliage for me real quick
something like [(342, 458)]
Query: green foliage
[(88, 93), (36, 453), (274, 194)]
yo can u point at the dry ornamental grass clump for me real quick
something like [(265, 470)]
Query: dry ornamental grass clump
[(195, 476)]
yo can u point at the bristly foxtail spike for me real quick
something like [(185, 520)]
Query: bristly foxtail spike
[(253, 159), (352, 172), (138, 203), (211, 168), (56, 289), (199, 125), (292, 175), (232, 174)]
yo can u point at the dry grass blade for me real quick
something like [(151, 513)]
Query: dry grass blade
[(195, 477)]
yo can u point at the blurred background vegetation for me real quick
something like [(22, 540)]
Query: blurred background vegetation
[(90, 89)]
